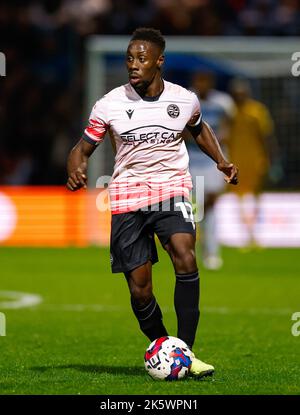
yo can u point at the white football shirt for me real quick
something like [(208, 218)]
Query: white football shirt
[(151, 162)]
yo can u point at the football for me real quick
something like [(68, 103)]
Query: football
[(168, 358)]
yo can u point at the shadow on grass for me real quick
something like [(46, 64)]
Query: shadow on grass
[(113, 370), (101, 369)]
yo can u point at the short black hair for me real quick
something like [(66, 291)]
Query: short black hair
[(150, 34)]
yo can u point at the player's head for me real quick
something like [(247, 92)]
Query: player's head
[(203, 81), (240, 90), (145, 57)]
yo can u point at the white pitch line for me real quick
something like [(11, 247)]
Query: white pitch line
[(206, 309), (80, 307), (18, 300), (251, 311)]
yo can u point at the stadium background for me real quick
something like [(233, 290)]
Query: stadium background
[(57, 64)]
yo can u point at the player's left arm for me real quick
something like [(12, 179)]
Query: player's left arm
[(208, 143)]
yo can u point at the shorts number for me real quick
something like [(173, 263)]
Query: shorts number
[(187, 211)]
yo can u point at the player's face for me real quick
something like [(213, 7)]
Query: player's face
[(143, 61)]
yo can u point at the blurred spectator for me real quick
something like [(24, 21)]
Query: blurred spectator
[(217, 110), (252, 145), (40, 69)]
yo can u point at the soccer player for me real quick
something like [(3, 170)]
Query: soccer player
[(253, 145), (150, 185), (218, 110)]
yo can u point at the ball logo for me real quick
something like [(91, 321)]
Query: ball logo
[(154, 361), (173, 110)]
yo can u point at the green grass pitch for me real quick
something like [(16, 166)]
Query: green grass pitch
[(83, 338)]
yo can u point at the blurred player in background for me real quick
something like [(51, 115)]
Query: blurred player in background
[(252, 145), (218, 110), (150, 185)]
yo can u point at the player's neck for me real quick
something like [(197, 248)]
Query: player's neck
[(154, 89)]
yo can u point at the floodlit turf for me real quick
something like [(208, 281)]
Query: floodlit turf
[(83, 337)]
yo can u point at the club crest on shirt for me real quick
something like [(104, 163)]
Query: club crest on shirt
[(173, 110)]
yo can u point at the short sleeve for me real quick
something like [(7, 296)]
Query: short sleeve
[(196, 114), (98, 123), (194, 124)]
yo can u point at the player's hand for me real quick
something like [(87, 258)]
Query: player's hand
[(76, 180), (230, 171)]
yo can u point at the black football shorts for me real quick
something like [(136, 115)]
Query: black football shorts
[(132, 240)]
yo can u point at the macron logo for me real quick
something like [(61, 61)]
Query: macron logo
[(129, 113)]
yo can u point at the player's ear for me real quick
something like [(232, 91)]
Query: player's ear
[(160, 61)]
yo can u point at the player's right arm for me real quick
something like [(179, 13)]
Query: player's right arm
[(77, 165), (93, 135)]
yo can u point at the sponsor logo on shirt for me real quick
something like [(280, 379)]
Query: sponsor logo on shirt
[(129, 113), (142, 134)]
